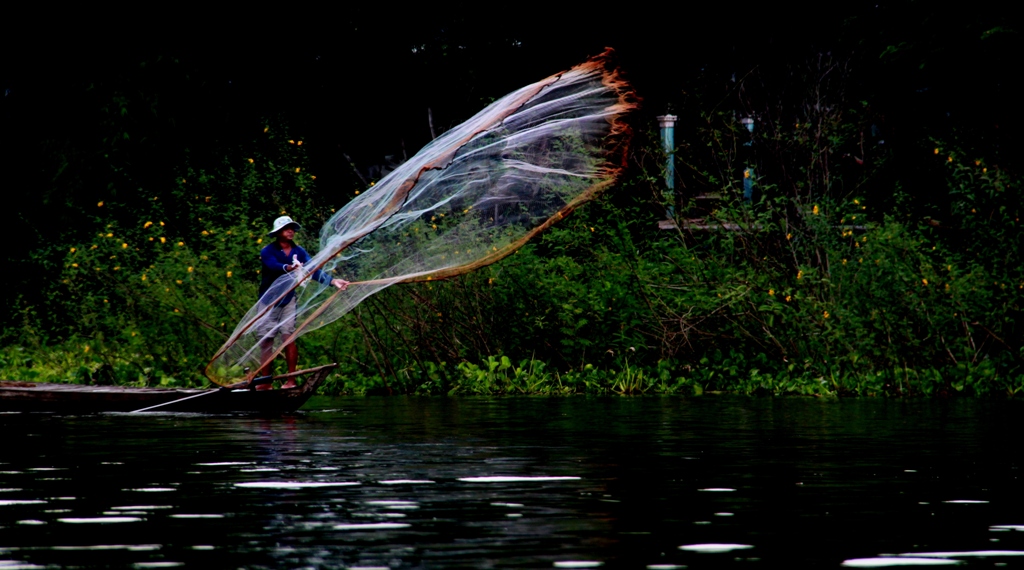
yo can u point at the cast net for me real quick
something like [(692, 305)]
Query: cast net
[(469, 198)]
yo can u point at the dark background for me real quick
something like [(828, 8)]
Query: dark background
[(99, 105)]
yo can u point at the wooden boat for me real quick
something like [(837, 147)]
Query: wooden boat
[(76, 398)]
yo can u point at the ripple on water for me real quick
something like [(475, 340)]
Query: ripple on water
[(18, 565), (717, 490), (1007, 527), (21, 502), (578, 564), (226, 463), (100, 520), (966, 502), (406, 482), (515, 479), (398, 505), (888, 561), (371, 526), (196, 516), (715, 547), (665, 566), (151, 489), (162, 564), (294, 484), (128, 547), (965, 553)]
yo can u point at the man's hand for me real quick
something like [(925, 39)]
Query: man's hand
[(295, 264), (340, 283)]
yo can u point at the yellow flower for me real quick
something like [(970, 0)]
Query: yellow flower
[(150, 239), (789, 236), (434, 226), (181, 243), (949, 159), (229, 274), (357, 192), (299, 143), (771, 292), (297, 170), (800, 274), (250, 161), (161, 224), (844, 261), (117, 268), (146, 225), (94, 246), (86, 348), (178, 281), (143, 276), (825, 314), (190, 269), (984, 170), (259, 240), (591, 230), (815, 210), (265, 129), (100, 204), (74, 265), (205, 233), (110, 235), (936, 150), (788, 297), (163, 239), (856, 201), (312, 177), (924, 282), (124, 246)]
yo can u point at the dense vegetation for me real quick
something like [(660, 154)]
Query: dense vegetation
[(878, 253)]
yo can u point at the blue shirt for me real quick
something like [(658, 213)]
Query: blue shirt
[(274, 262)]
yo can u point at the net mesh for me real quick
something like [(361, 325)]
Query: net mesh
[(469, 198)]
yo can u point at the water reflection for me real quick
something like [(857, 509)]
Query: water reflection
[(520, 483)]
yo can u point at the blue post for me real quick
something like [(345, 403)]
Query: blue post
[(748, 172), (667, 123)]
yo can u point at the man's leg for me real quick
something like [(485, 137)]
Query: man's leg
[(266, 349), (291, 356)]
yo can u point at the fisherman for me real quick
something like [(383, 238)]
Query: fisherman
[(280, 257)]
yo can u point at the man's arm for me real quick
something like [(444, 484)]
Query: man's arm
[(321, 276)]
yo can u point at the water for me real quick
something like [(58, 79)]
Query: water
[(653, 483)]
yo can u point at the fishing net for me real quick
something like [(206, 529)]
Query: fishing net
[(469, 198)]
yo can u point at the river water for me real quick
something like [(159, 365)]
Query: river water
[(653, 483)]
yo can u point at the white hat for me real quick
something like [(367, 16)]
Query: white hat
[(283, 222)]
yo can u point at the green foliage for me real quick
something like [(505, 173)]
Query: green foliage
[(828, 282)]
